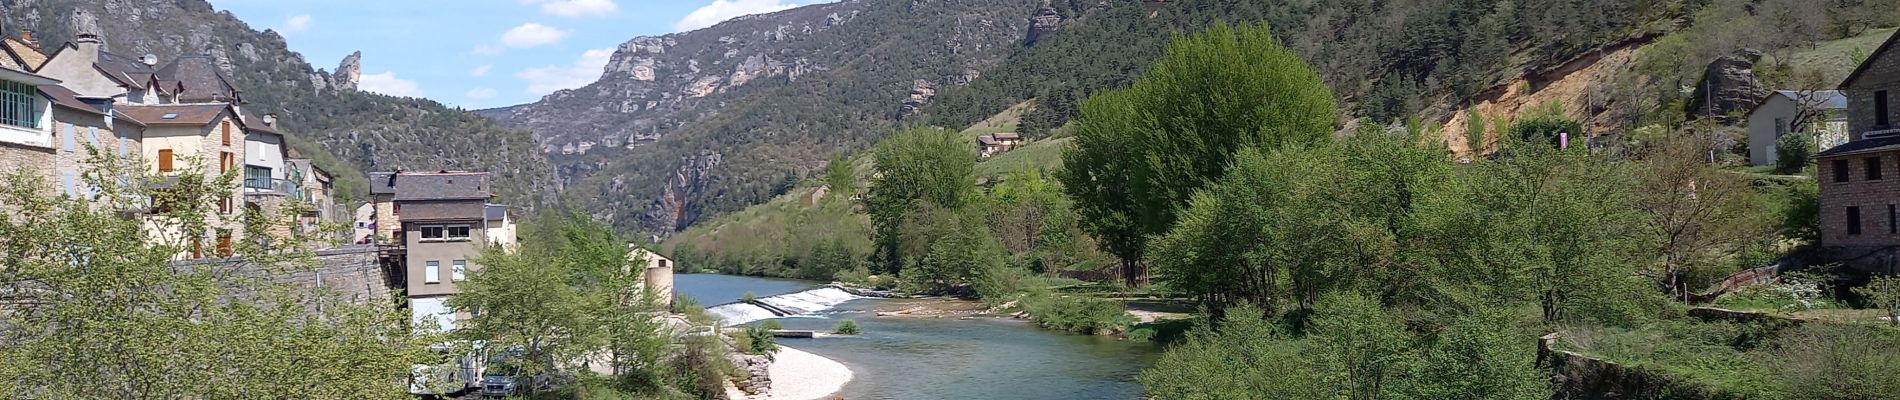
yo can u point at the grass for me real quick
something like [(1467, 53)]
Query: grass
[(1044, 155), (1698, 356), (1836, 58), (1001, 122)]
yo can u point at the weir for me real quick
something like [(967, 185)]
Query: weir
[(784, 305)]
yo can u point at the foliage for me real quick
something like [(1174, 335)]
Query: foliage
[(100, 305), (1141, 151), (1884, 293), (759, 341), (748, 297), (924, 167), (1700, 215), (840, 177), (790, 236), (1247, 358), (1791, 294), (1079, 314), (1545, 126), (960, 249), (1792, 151), (1825, 361), (846, 327)]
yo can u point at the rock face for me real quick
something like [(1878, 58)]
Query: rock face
[(349, 72), (1043, 23), (711, 120), (758, 367), (1729, 87)]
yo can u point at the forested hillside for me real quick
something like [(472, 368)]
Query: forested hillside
[(728, 116), (347, 131)]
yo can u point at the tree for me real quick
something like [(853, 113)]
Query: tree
[(1247, 358), (840, 177), (95, 309), (1884, 292), (919, 167), (1698, 213), (1141, 152)]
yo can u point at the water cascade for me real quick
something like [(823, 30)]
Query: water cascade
[(784, 305)]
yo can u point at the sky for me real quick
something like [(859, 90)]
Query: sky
[(480, 53)]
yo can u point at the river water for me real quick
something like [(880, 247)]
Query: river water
[(928, 358)]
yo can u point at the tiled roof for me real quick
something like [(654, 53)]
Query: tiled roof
[(63, 97), (23, 54), (438, 210), (1862, 146), (126, 70), (1826, 99), (411, 186), (180, 114), (198, 77), (255, 123)]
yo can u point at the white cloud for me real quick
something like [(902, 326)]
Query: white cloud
[(480, 93), (531, 35), (297, 23), (721, 10), (550, 78), (575, 8), (387, 83), (481, 71)]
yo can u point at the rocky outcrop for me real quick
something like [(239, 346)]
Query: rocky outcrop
[(1729, 88), (921, 91), (349, 72), (674, 210), (1045, 22)]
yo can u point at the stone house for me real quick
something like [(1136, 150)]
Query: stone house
[(26, 124), (443, 223), (79, 124), (204, 139), (1822, 113), (1860, 180), (658, 273), (990, 145)]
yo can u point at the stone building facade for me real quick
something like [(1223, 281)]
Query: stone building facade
[(1860, 181)]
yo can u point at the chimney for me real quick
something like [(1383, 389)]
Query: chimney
[(88, 45), (270, 120), (26, 36)]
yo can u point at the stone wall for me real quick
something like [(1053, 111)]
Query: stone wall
[(1882, 73), (34, 160), (355, 273)]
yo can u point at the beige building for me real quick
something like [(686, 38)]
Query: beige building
[(205, 139), (658, 273), (443, 220)]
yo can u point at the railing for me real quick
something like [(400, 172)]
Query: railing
[(272, 186)]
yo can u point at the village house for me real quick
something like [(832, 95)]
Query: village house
[(1820, 113), (1860, 180), (315, 186), (26, 124), (657, 275), (201, 139), (443, 220), (990, 145)]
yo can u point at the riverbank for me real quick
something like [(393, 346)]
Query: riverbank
[(799, 375)]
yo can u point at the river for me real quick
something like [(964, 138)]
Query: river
[(928, 358)]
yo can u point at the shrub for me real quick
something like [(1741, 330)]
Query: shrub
[(1792, 152), (1078, 314), (771, 324), (748, 297), (759, 341), (1826, 361), (846, 327)]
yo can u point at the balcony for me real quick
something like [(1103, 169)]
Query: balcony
[(272, 187)]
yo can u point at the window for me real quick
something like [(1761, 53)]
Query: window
[(1853, 220), (164, 160), (431, 233), (256, 177), (458, 270), (1881, 119), (1781, 127), (1893, 220), (1840, 170), (226, 160), (226, 127), (431, 273), (1873, 168), (458, 232), (224, 243), (224, 206), (19, 105)]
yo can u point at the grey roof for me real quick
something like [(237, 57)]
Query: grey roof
[(986, 140), (432, 185), (128, 70), (1862, 146), (63, 97), (1007, 136), (497, 212), (1827, 99), (197, 79)]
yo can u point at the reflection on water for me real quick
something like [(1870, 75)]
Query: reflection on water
[(930, 358)]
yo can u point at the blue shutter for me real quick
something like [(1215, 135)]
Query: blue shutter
[(70, 142), (125, 146), (69, 185), (92, 136)]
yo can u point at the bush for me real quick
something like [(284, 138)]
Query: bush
[(1792, 151), (1792, 294), (759, 341), (771, 324), (846, 327), (748, 297), (1545, 130), (1078, 314), (1826, 361)]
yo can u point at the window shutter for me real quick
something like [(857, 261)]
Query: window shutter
[(165, 160), (92, 136), (67, 131)]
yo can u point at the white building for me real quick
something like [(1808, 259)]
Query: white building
[(1820, 112)]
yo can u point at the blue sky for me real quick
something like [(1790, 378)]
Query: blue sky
[(480, 53)]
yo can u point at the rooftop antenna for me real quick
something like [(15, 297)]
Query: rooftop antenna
[(149, 59)]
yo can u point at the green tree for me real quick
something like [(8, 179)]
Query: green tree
[(840, 177), (1247, 358), (95, 308), (1792, 151), (919, 168), (1141, 152), (1474, 133), (1884, 293), (1369, 348), (1481, 356)]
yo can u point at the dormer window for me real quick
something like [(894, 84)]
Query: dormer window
[(19, 105)]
